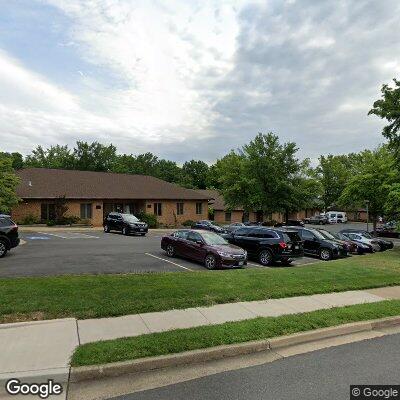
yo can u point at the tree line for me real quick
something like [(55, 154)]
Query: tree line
[(264, 175)]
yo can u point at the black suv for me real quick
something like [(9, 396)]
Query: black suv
[(316, 244), (125, 223), (208, 226), (8, 234), (267, 245)]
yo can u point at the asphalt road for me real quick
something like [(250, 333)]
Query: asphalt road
[(321, 375), (95, 252)]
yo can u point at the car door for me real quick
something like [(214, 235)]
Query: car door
[(246, 238), (119, 223), (111, 221), (180, 243), (310, 243), (195, 247)]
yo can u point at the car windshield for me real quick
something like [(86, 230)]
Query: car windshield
[(130, 218), (366, 234), (213, 239), (327, 234), (318, 234)]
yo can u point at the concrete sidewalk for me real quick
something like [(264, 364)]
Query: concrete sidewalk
[(42, 349)]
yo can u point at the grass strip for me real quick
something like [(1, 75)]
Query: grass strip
[(176, 341), (96, 296)]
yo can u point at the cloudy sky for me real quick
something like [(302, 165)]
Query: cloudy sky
[(193, 79)]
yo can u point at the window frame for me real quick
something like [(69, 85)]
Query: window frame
[(157, 209), (199, 206), (86, 210), (180, 208)]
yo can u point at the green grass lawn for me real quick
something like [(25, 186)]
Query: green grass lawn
[(231, 332), (94, 296)]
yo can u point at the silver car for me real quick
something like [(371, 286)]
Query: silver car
[(360, 237)]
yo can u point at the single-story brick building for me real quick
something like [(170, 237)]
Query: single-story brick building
[(91, 195), (224, 215)]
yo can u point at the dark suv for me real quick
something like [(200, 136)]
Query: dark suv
[(125, 223), (316, 244), (8, 234), (267, 245)]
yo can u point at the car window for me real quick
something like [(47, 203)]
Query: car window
[(194, 237), (267, 234), (130, 218), (290, 236), (213, 239), (6, 222), (307, 234), (181, 234), (340, 216), (242, 232)]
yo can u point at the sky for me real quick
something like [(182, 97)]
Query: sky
[(193, 79)]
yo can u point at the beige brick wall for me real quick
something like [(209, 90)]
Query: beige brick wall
[(169, 211), (25, 209)]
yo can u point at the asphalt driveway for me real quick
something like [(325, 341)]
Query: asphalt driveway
[(95, 252)]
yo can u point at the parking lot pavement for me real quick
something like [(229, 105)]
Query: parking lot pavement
[(67, 252)]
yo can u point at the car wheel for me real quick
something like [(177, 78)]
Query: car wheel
[(3, 248), (125, 231), (210, 262), (170, 250), (325, 254), (106, 229), (265, 257)]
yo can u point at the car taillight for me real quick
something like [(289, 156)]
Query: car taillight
[(283, 245)]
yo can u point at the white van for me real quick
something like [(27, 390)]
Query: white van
[(336, 217)]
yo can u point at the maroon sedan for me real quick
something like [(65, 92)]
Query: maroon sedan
[(206, 247)]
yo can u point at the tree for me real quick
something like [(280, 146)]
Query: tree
[(392, 205), (388, 107), (59, 157), (94, 156), (333, 173), (197, 172), (372, 180), (264, 176), (8, 184), (16, 159)]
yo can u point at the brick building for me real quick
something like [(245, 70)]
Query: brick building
[(91, 195), (224, 215)]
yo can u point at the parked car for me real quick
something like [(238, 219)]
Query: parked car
[(316, 244), (233, 226), (362, 248), (267, 245), (317, 220), (336, 217), (379, 244), (290, 222), (125, 223), (206, 247), (208, 226), (388, 229), (351, 246), (8, 234)]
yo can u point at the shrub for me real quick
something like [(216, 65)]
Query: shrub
[(50, 222), (29, 220), (188, 222), (150, 219), (69, 220), (84, 221)]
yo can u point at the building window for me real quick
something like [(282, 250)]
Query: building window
[(86, 211), (228, 217), (47, 212), (179, 208), (199, 208), (157, 209)]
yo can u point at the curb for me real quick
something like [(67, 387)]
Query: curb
[(90, 372)]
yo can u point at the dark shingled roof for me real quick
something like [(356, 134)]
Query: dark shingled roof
[(216, 200), (43, 183)]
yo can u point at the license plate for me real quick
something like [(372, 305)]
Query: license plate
[(296, 247), (141, 230), (241, 263)]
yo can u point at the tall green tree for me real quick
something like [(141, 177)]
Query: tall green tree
[(16, 159), (372, 180), (333, 173), (197, 172), (265, 175), (388, 107), (59, 157), (94, 156), (8, 184)]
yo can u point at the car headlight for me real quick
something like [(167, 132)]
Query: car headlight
[(245, 253), (224, 254)]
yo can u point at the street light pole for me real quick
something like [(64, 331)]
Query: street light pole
[(367, 202)]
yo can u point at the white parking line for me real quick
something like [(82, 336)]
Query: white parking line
[(53, 234), (168, 261)]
